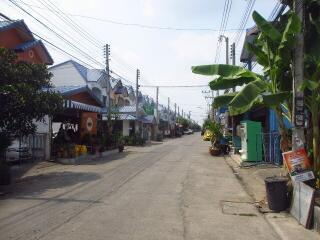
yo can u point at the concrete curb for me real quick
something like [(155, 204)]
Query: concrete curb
[(86, 158), (286, 227)]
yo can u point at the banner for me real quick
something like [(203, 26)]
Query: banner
[(298, 165)]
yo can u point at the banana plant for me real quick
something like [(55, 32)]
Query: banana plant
[(311, 85), (272, 49), (312, 102)]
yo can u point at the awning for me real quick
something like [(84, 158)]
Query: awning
[(123, 117), (81, 106)]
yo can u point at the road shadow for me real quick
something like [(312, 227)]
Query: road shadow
[(35, 185), (103, 160)]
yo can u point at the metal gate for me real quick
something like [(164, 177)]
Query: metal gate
[(271, 148), (37, 145)]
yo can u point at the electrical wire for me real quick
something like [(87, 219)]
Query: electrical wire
[(223, 25), (67, 34), (155, 27), (87, 56), (69, 21)]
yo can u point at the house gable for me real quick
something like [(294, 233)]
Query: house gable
[(67, 74)]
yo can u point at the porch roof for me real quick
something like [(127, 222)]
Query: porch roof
[(81, 106)]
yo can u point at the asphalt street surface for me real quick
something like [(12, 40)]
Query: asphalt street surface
[(173, 190)]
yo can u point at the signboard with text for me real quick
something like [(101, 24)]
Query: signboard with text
[(298, 165)]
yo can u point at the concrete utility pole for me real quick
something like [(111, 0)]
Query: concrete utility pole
[(157, 104), (189, 115), (233, 57), (175, 112), (137, 95), (227, 51), (108, 85), (168, 113), (298, 120)]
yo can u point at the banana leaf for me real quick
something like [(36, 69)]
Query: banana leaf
[(223, 100), (275, 99), (288, 38), (247, 97), (260, 55), (222, 83), (266, 27), (222, 70)]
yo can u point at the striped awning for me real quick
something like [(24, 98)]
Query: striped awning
[(81, 106)]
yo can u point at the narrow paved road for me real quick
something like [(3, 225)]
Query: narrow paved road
[(168, 191)]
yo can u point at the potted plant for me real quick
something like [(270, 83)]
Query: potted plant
[(121, 144), (215, 148)]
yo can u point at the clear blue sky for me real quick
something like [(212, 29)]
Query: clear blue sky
[(163, 56)]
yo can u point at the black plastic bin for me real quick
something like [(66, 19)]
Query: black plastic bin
[(277, 193)]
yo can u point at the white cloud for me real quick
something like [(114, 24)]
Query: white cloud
[(195, 47), (148, 8)]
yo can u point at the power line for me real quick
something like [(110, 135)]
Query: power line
[(62, 31), (58, 35), (174, 86), (65, 18), (156, 27), (223, 25), (244, 21), (48, 42)]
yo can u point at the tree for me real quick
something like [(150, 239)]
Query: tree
[(272, 49), (25, 96)]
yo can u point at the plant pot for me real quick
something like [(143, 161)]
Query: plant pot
[(121, 148), (214, 151), (5, 174)]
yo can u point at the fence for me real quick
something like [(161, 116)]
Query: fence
[(271, 148), (37, 145)]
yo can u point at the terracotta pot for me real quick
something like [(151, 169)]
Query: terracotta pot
[(214, 151)]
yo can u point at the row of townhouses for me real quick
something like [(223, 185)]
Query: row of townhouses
[(86, 94)]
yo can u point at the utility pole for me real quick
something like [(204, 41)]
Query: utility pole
[(189, 115), (227, 51), (233, 57), (298, 139), (169, 115), (175, 111), (157, 104), (137, 95), (108, 85)]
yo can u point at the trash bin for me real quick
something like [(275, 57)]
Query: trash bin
[(277, 193)]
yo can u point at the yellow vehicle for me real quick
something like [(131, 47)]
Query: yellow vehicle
[(207, 135)]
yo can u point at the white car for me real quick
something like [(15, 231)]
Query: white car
[(16, 151)]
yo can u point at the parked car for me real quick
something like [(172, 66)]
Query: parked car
[(17, 151), (188, 131)]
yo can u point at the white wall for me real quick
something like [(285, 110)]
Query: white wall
[(125, 127), (66, 75)]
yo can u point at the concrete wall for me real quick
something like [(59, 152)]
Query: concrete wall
[(125, 128)]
